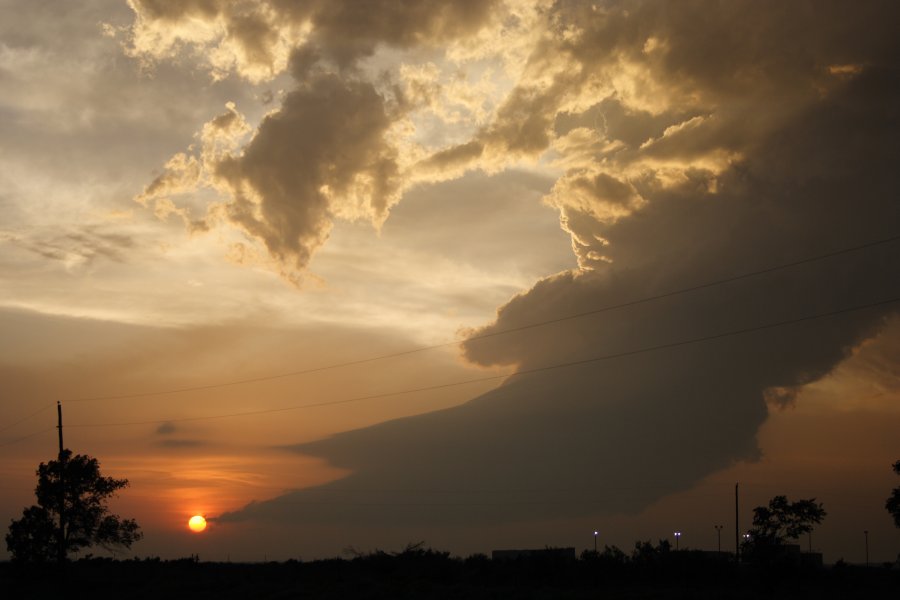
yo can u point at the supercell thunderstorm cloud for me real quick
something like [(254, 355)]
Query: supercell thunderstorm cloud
[(562, 264), (698, 168)]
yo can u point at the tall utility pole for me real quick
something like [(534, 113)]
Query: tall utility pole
[(61, 557), (737, 528), (866, 533)]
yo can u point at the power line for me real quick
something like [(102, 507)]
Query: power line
[(25, 437), (562, 496), (544, 490), (561, 501), (574, 363), (644, 300), (23, 419)]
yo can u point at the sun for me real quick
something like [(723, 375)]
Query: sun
[(197, 523)]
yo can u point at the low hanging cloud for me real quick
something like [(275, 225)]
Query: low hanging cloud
[(167, 438), (757, 154)]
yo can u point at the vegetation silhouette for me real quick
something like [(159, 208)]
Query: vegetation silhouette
[(775, 524), (70, 513), (893, 502), (650, 571)]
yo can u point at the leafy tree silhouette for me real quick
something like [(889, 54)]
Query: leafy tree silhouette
[(645, 553), (780, 521), (82, 492), (893, 502)]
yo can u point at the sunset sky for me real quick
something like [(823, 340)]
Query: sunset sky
[(482, 273)]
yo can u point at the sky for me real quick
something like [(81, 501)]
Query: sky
[(485, 274)]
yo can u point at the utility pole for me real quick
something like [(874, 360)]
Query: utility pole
[(62, 489), (737, 527), (866, 533)]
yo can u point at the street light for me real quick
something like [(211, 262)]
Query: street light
[(677, 535), (595, 541), (719, 536)]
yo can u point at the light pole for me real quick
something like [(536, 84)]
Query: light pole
[(595, 541), (866, 533), (677, 536), (719, 536)]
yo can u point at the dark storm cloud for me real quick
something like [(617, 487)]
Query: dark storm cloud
[(816, 173), (327, 140), (447, 160), (343, 29), (347, 32), (660, 64), (325, 153)]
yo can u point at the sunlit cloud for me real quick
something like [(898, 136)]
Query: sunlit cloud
[(679, 178), (438, 173)]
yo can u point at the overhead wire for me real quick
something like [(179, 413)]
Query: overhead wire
[(25, 418), (22, 420), (518, 373), (491, 334), (25, 437)]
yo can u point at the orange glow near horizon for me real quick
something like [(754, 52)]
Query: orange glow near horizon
[(197, 523), (167, 488)]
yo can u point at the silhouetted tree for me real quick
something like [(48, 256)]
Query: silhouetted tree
[(645, 553), (778, 522), (84, 494), (893, 502), (611, 555)]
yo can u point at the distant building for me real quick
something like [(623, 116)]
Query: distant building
[(563, 553), (710, 555), (792, 554)]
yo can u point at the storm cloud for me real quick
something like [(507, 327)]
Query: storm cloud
[(327, 152), (729, 138)]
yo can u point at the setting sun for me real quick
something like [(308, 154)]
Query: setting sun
[(197, 523), (353, 274)]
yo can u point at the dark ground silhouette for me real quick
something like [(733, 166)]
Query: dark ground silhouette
[(650, 572)]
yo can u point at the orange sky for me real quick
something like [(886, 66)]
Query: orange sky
[(201, 193)]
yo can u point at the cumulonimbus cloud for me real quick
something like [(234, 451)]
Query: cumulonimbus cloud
[(758, 153), (255, 39), (330, 150)]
